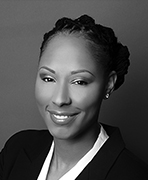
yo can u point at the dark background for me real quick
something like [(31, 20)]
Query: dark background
[(22, 25)]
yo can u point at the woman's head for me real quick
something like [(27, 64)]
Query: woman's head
[(101, 42), (75, 72)]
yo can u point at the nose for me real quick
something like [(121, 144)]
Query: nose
[(61, 96)]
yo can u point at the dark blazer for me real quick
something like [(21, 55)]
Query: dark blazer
[(24, 154)]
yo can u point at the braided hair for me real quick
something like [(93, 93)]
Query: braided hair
[(102, 40)]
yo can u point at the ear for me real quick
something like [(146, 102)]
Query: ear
[(110, 84)]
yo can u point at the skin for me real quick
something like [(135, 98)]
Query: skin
[(70, 80)]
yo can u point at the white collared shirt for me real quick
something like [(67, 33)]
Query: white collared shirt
[(81, 164)]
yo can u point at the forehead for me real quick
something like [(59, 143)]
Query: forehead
[(66, 44), (68, 52)]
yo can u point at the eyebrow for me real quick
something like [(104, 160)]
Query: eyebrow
[(48, 69), (72, 72), (81, 71)]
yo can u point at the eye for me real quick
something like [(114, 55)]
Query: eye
[(46, 78), (80, 82)]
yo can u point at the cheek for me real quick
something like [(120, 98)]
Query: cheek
[(42, 94), (88, 98)]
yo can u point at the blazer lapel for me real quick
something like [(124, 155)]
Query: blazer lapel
[(30, 159), (99, 167)]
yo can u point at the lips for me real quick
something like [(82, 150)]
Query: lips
[(62, 117)]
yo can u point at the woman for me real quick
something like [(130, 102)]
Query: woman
[(81, 63)]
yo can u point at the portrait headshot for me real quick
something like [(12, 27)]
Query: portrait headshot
[(73, 90)]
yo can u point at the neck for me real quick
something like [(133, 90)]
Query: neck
[(69, 152)]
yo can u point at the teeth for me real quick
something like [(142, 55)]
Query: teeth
[(60, 117)]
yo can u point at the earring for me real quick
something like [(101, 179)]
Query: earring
[(107, 96)]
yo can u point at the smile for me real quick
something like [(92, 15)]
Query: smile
[(60, 117), (62, 120)]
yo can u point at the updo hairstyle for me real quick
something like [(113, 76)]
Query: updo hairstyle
[(102, 41)]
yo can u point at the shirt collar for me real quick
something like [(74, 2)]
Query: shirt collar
[(82, 163)]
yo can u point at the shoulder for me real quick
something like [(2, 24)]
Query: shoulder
[(27, 135), (123, 163), (129, 166), (23, 139)]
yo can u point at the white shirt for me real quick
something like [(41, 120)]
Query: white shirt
[(81, 164)]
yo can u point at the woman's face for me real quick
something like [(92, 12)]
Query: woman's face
[(70, 87)]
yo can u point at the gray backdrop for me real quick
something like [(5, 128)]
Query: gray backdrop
[(22, 25)]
